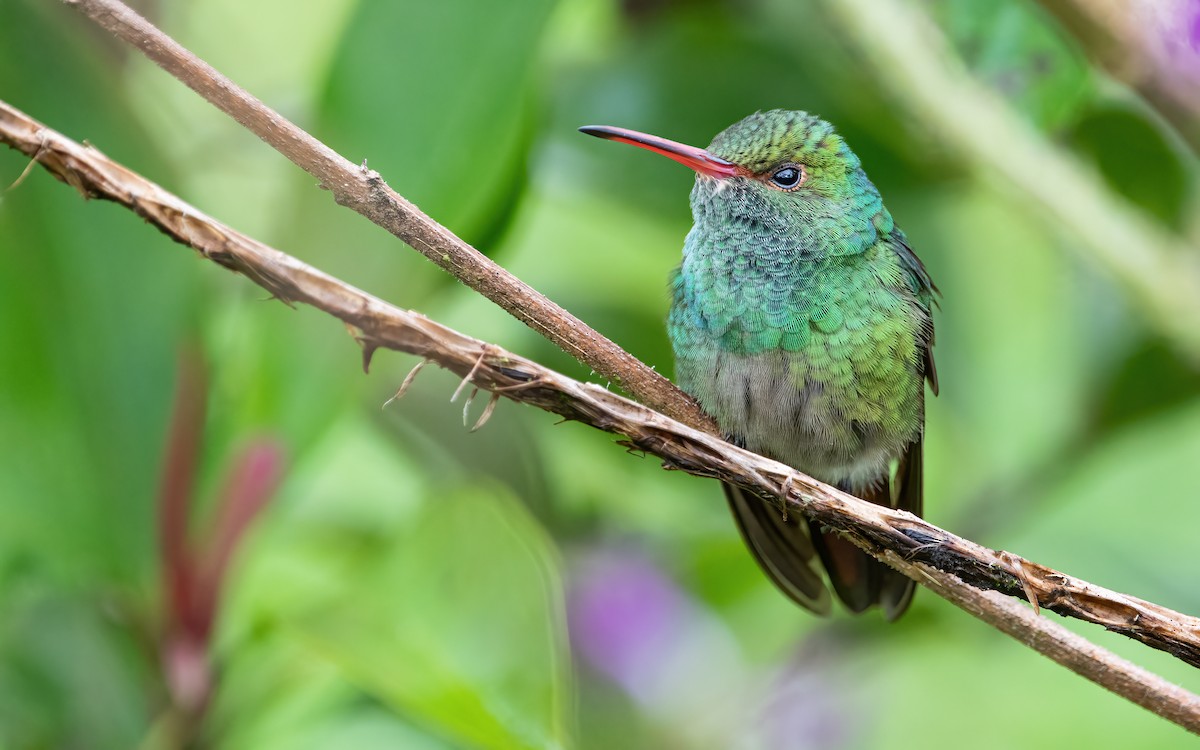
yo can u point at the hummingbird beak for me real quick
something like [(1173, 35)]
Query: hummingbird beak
[(689, 156)]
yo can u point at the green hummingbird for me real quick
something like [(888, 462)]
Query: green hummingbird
[(801, 321)]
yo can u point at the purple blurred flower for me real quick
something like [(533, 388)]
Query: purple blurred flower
[(677, 659), (624, 615)]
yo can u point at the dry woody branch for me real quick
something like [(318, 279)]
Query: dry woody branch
[(363, 191), (963, 572)]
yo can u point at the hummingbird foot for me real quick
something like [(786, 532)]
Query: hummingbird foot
[(785, 489)]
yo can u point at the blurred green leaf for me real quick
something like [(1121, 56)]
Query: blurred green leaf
[(1002, 280), (69, 676), (95, 305), (972, 681), (1135, 159), (1150, 381), (1114, 519), (459, 624), (396, 594), (1019, 52), (454, 143)]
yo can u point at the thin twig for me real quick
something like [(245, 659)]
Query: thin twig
[(364, 191), (951, 566)]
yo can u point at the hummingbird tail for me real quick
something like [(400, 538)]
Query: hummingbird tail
[(782, 547), (853, 574), (859, 580)]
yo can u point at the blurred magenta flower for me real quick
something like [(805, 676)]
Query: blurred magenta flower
[(680, 663)]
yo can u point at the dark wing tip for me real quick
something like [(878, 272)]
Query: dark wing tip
[(782, 549)]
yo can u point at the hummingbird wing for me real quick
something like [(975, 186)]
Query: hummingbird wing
[(896, 590), (782, 547), (859, 580)]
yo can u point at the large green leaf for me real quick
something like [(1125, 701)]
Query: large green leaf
[(373, 576), (1021, 54), (954, 677), (458, 623), (1126, 514), (1136, 160), (441, 99), (439, 96), (93, 304)]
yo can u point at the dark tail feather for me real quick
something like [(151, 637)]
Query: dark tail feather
[(782, 548), (854, 575), (896, 590)]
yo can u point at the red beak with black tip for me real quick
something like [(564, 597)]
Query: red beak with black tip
[(689, 156)]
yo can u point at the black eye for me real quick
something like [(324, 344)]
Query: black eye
[(788, 177)]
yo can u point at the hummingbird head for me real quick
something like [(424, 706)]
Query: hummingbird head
[(786, 173)]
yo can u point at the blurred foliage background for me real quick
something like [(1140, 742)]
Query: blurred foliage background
[(407, 584)]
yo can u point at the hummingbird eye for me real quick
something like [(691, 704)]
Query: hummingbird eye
[(788, 177)]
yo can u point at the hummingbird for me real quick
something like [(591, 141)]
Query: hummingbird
[(801, 321)]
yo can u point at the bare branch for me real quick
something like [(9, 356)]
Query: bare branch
[(949, 565), (364, 191)]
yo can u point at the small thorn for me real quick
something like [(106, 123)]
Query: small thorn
[(467, 405), (470, 375), (487, 412), (408, 379), (368, 352), (363, 166), (355, 333)]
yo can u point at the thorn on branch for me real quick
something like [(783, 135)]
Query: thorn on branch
[(368, 347), (408, 380), (368, 351)]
